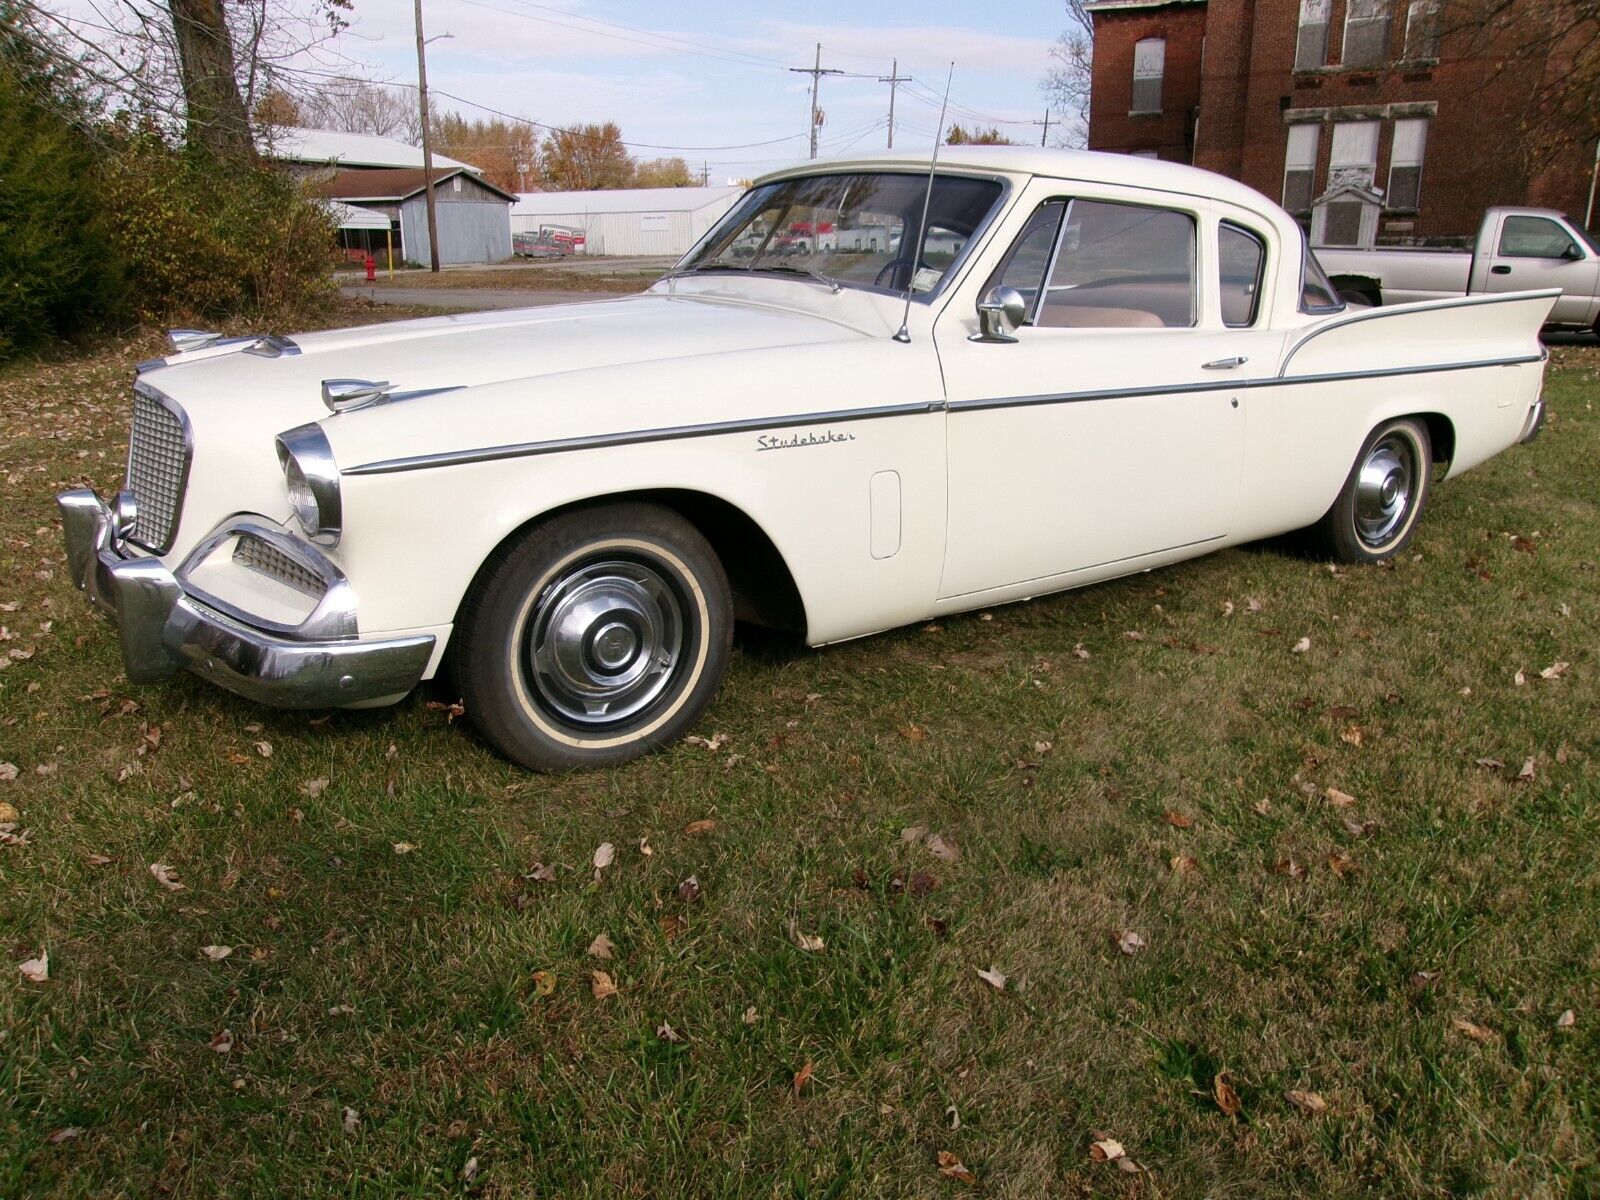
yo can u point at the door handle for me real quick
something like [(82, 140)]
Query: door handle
[(1500, 270), (1224, 364)]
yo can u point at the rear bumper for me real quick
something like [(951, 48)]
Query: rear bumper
[(164, 629), (1534, 422)]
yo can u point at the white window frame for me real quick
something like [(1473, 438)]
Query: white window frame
[(1354, 150), (1381, 11), (1145, 52), (1304, 162), (1313, 14), (1408, 151), (1422, 26)]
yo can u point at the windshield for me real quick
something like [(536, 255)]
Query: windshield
[(850, 229)]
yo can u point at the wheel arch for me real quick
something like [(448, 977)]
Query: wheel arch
[(1441, 436), (764, 589)]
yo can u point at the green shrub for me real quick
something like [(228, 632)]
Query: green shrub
[(58, 274), (202, 239)]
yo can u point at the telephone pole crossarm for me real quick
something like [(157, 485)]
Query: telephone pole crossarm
[(816, 72), (893, 79)]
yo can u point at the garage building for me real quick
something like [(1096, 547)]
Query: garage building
[(474, 216), (660, 221)]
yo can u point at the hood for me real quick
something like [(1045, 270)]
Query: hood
[(268, 395)]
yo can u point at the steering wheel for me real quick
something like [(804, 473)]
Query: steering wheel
[(895, 274)]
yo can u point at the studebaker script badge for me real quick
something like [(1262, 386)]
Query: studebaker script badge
[(797, 440)]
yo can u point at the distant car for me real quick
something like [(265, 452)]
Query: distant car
[(1516, 249), (1115, 364)]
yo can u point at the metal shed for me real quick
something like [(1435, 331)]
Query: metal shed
[(473, 215), (661, 221)]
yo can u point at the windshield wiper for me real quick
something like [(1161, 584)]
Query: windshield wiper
[(789, 269)]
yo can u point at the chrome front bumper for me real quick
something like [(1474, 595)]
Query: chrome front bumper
[(164, 629)]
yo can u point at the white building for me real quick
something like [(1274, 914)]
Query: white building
[(663, 221), (311, 148)]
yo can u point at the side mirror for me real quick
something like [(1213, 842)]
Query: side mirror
[(1573, 252), (1001, 311)]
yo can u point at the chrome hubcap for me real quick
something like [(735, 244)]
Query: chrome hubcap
[(1383, 490), (603, 642)]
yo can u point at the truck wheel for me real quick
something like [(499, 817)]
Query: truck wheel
[(1378, 507), (594, 638)]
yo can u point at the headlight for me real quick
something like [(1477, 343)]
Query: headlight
[(311, 478)]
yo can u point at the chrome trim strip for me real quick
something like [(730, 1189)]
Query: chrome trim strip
[(1049, 581), (452, 458), (1373, 314), (176, 409), (307, 448)]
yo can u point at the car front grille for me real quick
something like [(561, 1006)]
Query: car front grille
[(158, 468), (265, 558)]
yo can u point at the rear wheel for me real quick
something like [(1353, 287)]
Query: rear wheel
[(597, 637), (1378, 508)]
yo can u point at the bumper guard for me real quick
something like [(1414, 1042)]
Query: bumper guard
[(164, 629)]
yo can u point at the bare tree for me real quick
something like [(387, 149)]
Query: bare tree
[(1066, 83), (360, 106)]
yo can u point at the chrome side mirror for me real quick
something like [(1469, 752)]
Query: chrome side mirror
[(1001, 311)]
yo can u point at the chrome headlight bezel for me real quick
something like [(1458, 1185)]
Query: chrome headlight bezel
[(311, 479)]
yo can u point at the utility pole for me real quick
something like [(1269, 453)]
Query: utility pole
[(705, 174), (427, 146), (892, 79), (816, 73), (1045, 132)]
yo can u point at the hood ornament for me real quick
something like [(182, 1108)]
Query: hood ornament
[(191, 339), (345, 395)]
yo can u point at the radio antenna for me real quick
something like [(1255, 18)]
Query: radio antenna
[(922, 227)]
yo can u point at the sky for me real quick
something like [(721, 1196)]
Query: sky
[(708, 81)]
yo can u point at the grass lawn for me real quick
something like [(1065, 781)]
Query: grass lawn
[(409, 1006)]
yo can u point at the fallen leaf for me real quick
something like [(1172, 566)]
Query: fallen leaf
[(1184, 864), (1520, 678), (469, 1171), (672, 925), (695, 828), (1106, 1150), (264, 749), (1351, 735), (751, 1016), (914, 733), (216, 953), (645, 847), (1130, 943), (65, 1134), (809, 942), (1043, 747), (993, 978), (601, 985), (1339, 799), (1301, 646), (923, 883), (450, 711), (544, 983), (713, 743), (1128, 1167), (1554, 671), (223, 1042), (1133, 635), (541, 873), (955, 1117), (1526, 774), (312, 788), (689, 890), (941, 849), (8, 772), (802, 1077), (602, 947), (913, 833), (351, 1121), (1490, 764), (405, 847), (36, 970), (1359, 828), (1289, 867), (1340, 863), (9, 814), (667, 1033), (952, 1167), (1425, 979), (167, 877), (97, 860), (1080, 651), (1222, 1091), (1567, 1020), (1306, 1102), (1478, 1033), (1178, 819), (604, 855)]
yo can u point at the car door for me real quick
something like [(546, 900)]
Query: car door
[(1534, 252), (1111, 428)]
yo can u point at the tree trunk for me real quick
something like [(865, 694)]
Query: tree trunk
[(214, 110)]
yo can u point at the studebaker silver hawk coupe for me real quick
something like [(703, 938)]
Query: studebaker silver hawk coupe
[(1019, 372)]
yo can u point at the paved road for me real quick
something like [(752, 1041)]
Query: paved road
[(464, 297)]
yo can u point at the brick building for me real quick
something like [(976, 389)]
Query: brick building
[(1300, 98)]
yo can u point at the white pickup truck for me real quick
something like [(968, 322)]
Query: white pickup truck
[(1517, 249)]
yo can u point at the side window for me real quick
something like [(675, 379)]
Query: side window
[(1122, 265), (1317, 294), (1241, 255), (1025, 263), (1534, 237)]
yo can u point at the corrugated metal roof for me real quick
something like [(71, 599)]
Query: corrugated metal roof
[(350, 150), (622, 200)]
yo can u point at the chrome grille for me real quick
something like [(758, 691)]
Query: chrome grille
[(261, 556), (158, 467)]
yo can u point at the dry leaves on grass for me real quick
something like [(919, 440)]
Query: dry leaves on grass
[(1222, 1091), (167, 877), (1106, 1150), (1184, 864), (1130, 942), (601, 985), (544, 983), (1301, 647), (8, 772), (312, 788), (952, 1167), (222, 1043), (216, 953), (667, 1033), (602, 947), (351, 1121), (36, 970), (65, 1134), (604, 855), (696, 828), (713, 743), (993, 978), (808, 942), (1567, 1020), (689, 890), (405, 847), (9, 814), (1481, 1034), (1339, 799), (802, 1077), (1178, 820), (1554, 671), (1307, 1102)]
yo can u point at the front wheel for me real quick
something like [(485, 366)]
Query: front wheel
[(1377, 509), (595, 638)]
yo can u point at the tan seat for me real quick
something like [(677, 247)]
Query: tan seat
[(1088, 316)]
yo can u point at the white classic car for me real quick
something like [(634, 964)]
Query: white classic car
[(1096, 365)]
